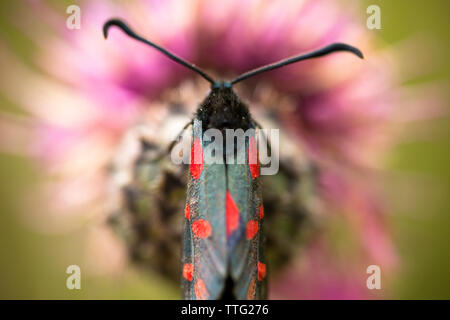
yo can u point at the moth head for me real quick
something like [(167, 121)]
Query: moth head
[(222, 85)]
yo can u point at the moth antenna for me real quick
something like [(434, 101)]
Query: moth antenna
[(125, 28), (335, 47)]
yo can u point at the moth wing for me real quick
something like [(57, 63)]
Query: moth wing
[(204, 249), (245, 242)]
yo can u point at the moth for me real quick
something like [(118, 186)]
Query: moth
[(223, 251)]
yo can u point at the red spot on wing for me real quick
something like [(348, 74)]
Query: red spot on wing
[(196, 159), (201, 228), (232, 214), (187, 212), (188, 270), (201, 293), (253, 161), (261, 271), (251, 229), (261, 212)]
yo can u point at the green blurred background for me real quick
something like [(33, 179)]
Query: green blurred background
[(32, 265)]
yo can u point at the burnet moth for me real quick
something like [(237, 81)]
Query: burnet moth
[(223, 243)]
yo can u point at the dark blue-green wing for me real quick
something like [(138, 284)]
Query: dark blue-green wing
[(204, 252), (245, 238)]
